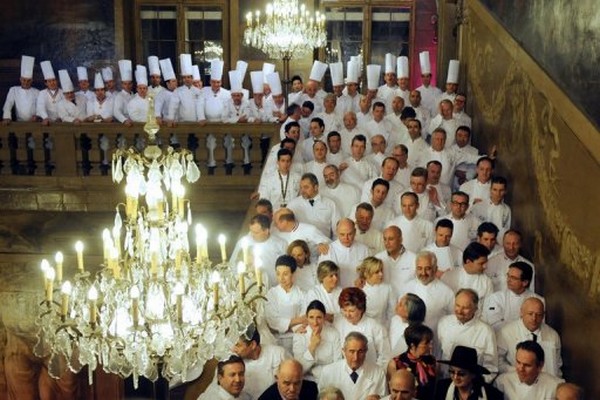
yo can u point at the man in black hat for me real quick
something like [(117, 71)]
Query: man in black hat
[(466, 378)]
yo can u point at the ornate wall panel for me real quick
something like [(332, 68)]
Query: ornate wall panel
[(553, 169)]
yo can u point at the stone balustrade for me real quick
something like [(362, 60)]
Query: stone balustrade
[(85, 150)]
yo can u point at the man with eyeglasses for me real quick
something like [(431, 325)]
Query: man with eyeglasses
[(530, 326), (465, 224), (504, 306), (498, 265)]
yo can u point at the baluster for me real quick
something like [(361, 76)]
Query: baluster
[(121, 141), (48, 147), (229, 144), (85, 144), (247, 145), (104, 146), (211, 145), (30, 143), (13, 146), (174, 141)]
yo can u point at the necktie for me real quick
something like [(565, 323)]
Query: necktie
[(354, 376), (534, 337), (312, 202)]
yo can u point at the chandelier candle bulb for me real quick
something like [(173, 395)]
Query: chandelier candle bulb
[(58, 258), (175, 197), (201, 238), (106, 244), (92, 298), (65, 294), (178, 257), (179, 290), (116, 240), (181, 199), (50, 275), (134, 294), (154, 263), (131, 204), (114, 262), (222, 240), (45, 265), (241, 270), (79, 250), (245, 251), (215, 279)]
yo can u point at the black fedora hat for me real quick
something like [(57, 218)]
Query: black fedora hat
[(465, 358)]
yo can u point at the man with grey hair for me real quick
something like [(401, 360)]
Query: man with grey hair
[(436, 295), (357, 378)]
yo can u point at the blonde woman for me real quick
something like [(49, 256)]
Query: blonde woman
[(380, 298)]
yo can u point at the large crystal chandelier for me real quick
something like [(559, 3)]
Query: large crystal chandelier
[(152, 310), (287, 30)]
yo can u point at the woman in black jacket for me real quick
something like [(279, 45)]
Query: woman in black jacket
[(466, 378)]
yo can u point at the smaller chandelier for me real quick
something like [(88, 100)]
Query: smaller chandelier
[(287, 30), (153, 309)]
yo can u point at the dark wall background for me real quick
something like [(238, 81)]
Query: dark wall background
[(563, 36), (68, 33)]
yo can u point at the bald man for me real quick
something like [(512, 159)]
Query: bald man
[(346, 252), (568, 391), (402, 386), (290, 385), (530, 326)]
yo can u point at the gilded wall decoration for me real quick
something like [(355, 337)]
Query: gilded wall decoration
[(530, 132), (563, 36)]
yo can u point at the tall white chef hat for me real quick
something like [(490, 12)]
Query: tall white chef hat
[(126, 70), (402, 67), (82, 74), (373, 72), (166, 66), (453, 68), (242, 67), (107, 74), (337, 73), (65, 81), (98, 81), (185, 64), (352, 72), (235, 80), (390, 63), (425, 63), (27, 63), (267, 69), (47, 70), (258, 79), (274, 83), (141, 75), (317, 71), (216, 70), (153, 65), (195, 73)]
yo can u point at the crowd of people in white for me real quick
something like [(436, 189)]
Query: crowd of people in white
[(383, 234)]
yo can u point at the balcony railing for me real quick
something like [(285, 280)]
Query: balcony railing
[(86, 149)]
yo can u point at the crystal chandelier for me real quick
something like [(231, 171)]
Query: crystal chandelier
[(152, 310), (287, 31)]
